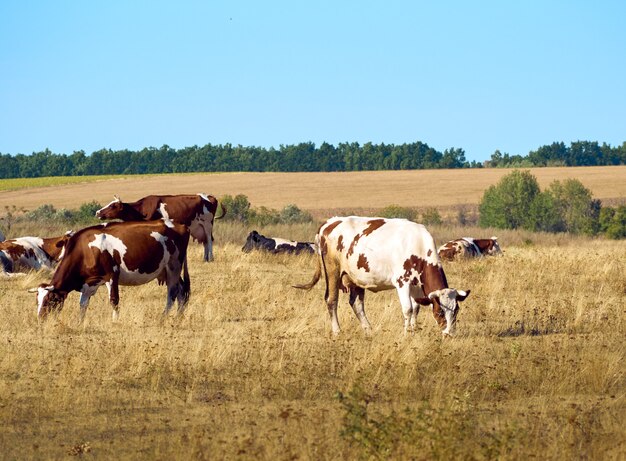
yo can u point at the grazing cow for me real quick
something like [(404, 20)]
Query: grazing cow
[(357, 253), (195, 211), (256, 241), (32, 252), (121, 253), (468, 247)]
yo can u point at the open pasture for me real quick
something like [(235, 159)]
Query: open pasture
[(319, 193), (251, 371)]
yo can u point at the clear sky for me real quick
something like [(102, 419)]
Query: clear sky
[(487, 75)]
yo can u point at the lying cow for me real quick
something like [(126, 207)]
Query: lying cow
[(195, 211), (357, 253), (116, 254), (468, 247), (32, 252), (256, 241)]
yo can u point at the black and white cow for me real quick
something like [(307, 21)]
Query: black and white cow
[(256, 241)]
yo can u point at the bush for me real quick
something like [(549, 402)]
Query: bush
[(507, 205), (396, 211), (291, 214), (238, 208), (431, 216), (574, 204), (87, 211), (613, 222)]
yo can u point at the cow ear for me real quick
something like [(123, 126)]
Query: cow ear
[(423, 301), (461, 295), (434, 294)]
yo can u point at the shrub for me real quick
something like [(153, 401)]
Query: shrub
[(291, 214), (575, 206), (613, 223), (396, 211), (87, 211), (431, 216), (263, 216), (507, 205), (238, 207)]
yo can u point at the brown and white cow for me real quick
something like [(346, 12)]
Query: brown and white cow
[(121, 253), (468, 247), (195, 211), (359, 253), (32, 252)]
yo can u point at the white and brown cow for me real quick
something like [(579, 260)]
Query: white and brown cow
[(468, 247), (195, 211), (121, 253), (31, 252), (359, 253), (276, 245)]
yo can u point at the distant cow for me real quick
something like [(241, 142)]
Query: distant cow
[(32, 252), (195, 211), (468, 247), (357, 253), (256, 241), (123, 253)]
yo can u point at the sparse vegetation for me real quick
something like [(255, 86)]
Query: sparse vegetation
[(250, 372)]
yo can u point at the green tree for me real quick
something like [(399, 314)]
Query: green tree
[(507, 205), (575, 205)]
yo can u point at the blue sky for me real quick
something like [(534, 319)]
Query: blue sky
[(86, 75)]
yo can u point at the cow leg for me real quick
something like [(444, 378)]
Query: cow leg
[(85, 295), (332, 299), (357, 296), (406, 302), (114, 295)]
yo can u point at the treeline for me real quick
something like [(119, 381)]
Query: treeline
[(210, 158), (579, 153), (298, 157)]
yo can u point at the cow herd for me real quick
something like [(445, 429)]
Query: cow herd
[(353, 254)]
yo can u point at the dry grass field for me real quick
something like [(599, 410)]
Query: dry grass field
[(318, 192), (251, 370)]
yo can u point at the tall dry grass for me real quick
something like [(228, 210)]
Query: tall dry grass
[(252, 372)]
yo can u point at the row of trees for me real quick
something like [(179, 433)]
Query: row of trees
[(299, 157), (565, 206), (579, 153)]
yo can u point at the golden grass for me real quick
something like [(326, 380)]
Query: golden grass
[(320, 192), (252, 372)]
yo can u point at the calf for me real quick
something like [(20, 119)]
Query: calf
[(32, 252), (256, 241), (113, 254), (359, 253), (468, 247), (195, 211)]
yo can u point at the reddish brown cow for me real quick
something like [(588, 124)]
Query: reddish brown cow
[(195, 211), (123, 253), (32, 252), (468, 247)]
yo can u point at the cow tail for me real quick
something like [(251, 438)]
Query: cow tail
[(223, 211), (186, 283), (316, 276)]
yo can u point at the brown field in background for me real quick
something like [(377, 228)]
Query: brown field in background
[(321, 192)]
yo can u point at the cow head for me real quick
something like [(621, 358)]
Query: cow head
[(112, 210), (48, 299), (251, 242), (448, 299), (494, 248)]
